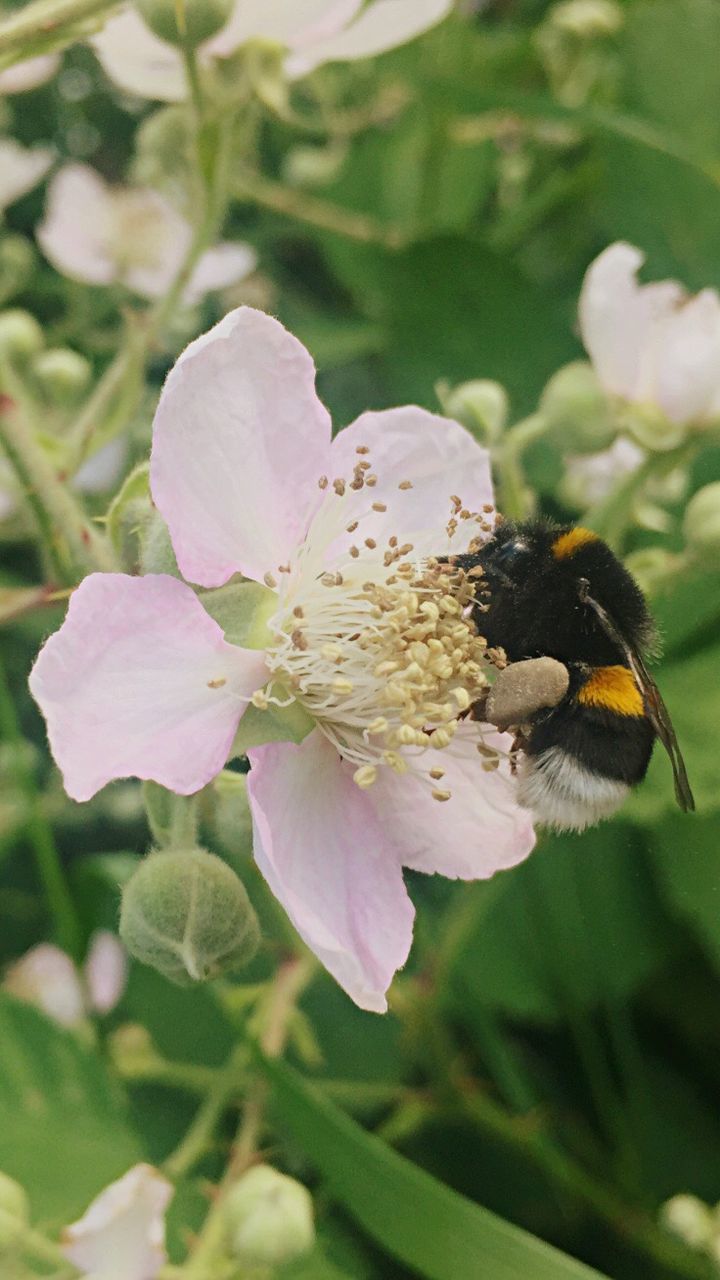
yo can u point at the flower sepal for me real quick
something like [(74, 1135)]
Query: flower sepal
[(242, 609), (273, 724), (650, 427)]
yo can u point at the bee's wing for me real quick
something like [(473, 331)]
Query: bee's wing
[(657, 712)]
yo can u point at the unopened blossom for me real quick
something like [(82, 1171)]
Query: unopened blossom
[(652, 345), (29, 74), (21, 168), (47, 977), (366, 633), (312, 32), (107, 235), (121, 1236)]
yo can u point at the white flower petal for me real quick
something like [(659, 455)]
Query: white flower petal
[(137, 61), (29, 74), (285, 21), (105, 971), (76, 234), (224, 265), (382, 25), (47, 978), (21, 168), (121, 1236)]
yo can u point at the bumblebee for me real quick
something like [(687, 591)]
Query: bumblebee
[(558, 591)]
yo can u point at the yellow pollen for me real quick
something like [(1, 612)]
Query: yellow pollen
[(331, 651), (365, 776), (405, 484), (362, 448), (270, 581), (339, 487), (259, 700), (441, 795), (462, 697), (218, 683), (323, 482), (437, 774), (342, 685), (379, 506)]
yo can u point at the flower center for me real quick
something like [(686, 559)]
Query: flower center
[(379, 648)]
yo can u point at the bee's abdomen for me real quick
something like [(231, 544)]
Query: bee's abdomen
[(583, 756)]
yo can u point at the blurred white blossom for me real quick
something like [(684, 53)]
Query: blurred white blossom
[(21, 168), (29, 74), (107, 235), (46, 977), (121, 1236), (651, 345), (312, 32)]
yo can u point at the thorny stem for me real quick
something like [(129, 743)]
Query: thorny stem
[(39, 832), (254, 187), (284, 993)]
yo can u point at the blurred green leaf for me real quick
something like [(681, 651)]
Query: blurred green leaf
[(586, 896), (64, 1127), (687, 857), (439, 1234)]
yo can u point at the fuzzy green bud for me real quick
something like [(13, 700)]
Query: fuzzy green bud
[(21, 337), (63, 374), (186, 914), (578, 413), (156, 549), (185, 21), (17, 259), (481, 406), (701, 525), (14, 1211), (229, 818), (268, 1218)]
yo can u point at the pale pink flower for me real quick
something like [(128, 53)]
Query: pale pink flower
[(312, 32), (105, 235), (141, 681), (21, 168), (121, 1236), (652, 345), (46, 977), (29, 74)]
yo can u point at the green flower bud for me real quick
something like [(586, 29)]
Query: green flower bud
[(647, 424), (653, 567), (20, 335), (63, 374), (701, 525), (268, 1218), (481, 406), (185, 913), (17, 259), (577, 411), (185, 21), (14, 1211)]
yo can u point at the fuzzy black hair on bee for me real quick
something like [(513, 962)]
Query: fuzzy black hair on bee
[(558, 591)]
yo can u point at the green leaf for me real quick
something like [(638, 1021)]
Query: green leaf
[(585, 896), (64, 1129), (436, 1232), (687, 857)]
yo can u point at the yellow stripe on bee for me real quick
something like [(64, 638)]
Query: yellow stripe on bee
[(568, 543), (612, 689)]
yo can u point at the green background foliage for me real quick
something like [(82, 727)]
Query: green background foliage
[(551, 1061)]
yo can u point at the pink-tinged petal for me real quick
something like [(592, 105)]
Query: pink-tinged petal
[(140, 682), (224, 265), (687, 358), (47, 978), (137, 61), (382, 24), (437, 456), (618, 318), (21, 168), (121, 1236), (76, 233), (239, 442), (284, 21), (105, 970), (481, 829), (29, 74), (329, 861)]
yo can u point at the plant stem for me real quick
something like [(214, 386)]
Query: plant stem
[(42, 23), (263, 191), (288, 984), (39, 832), (72, 545), (515, 500), (199, 1135)]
